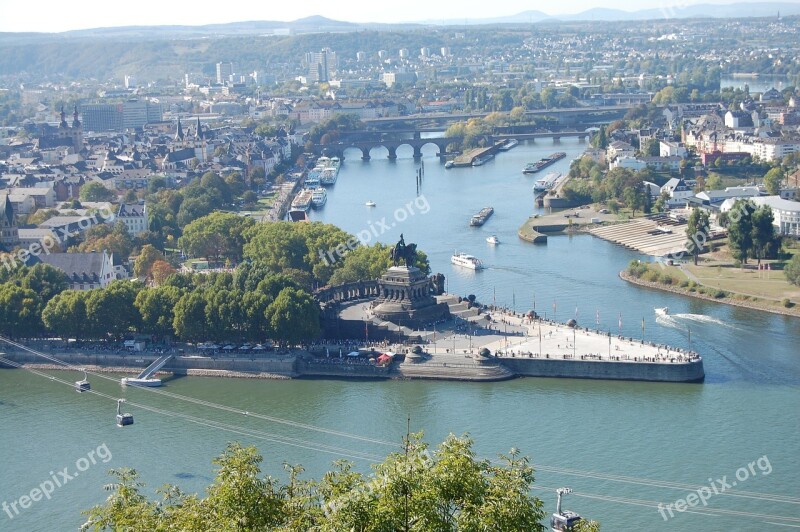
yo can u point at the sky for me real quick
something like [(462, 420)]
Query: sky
[(52, 16)]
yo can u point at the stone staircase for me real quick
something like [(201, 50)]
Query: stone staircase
[(453, 368)]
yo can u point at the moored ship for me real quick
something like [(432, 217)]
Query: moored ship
[(547, 182), (508, 144), (319, 196), (302, 202), (532, 168)]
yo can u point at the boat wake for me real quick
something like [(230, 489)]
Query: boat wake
[(702, 318)]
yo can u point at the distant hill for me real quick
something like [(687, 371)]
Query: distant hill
[(737, 10)]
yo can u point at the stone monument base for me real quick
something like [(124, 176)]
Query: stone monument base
[(404, 298)]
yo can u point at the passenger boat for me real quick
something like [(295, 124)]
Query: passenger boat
[(329, 175), (370, 203), (319, 196), (664, 311), (479, 219), (467, 261), (302, 202), (148, 383), (493, 240), (547, 182), (478, 161)]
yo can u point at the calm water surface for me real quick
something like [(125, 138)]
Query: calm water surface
[(748, 408)]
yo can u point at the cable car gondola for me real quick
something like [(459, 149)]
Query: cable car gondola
[(563, 521), (123, 419), (83, 385)]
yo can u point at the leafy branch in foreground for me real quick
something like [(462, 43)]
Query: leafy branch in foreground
[(415, 489)]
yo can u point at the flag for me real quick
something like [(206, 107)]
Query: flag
[(620, 321), (554, 307), (769, 267), (642, 325), (597, 317), (576, 312)]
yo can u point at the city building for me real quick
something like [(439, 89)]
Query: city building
[(9, 232), (224, 72), (134, 216), (321, 65), (86, 271)]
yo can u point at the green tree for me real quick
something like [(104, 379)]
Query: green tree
[(44, 280), (600, 140), (293, 317), (740, 229), (773, 180), (216, 236), (189, 322), (95, 191), (277, 245), (763, 232), (792, 270), (65, 314), (20, 311), (156, 308), (144, 261), (111, 311), (447, 489), (697, 232)]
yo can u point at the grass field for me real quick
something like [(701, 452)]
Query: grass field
[(749, 282)]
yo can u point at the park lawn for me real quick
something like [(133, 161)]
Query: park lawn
[(266, 203), (750, 282)]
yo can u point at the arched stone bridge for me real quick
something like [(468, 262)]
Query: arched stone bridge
[(338, 148)]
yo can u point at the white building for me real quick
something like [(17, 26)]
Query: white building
[(135, 218), (619, 149), (786, 213), (671, 149)]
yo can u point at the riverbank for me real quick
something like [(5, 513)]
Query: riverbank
[(751, 303)]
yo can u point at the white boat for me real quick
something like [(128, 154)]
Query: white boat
[(662, 311), (148, 383), (449, 164), (478, 161), (493, 240), (319, 196), (466, 261), (329, 175), (547, 182), (370, 203), (302, 202)]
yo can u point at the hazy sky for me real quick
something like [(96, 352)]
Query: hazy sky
[(19, 15)]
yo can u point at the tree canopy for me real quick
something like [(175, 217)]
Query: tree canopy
[(447, 488)]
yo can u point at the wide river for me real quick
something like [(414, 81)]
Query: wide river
[(622, 446)]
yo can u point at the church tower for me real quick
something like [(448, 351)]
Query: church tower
[(9, 232)]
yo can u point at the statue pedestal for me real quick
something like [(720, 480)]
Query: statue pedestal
[(404, 297)]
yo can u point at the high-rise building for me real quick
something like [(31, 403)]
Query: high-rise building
[(130, 82), (102, 116), (224, 71), (403, 53), (131, 114), (321, 65)]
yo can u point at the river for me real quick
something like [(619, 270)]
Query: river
[(747, 410)]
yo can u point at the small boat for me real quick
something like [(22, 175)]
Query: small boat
[(662, 311), (449, 164), (493, 240), (370, 203), (147, 383), (467, 261)]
